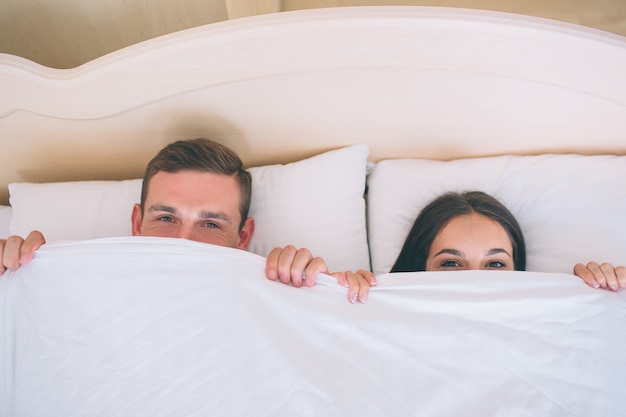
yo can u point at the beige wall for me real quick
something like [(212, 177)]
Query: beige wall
[(67, 33)]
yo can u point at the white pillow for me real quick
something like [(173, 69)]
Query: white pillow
[(74, 210), (571, 208), (5, 218), (315, 203)]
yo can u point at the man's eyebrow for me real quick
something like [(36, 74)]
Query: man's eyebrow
[(495, 251), (450, 252), (202, 215), (159, 207), (213, 215)]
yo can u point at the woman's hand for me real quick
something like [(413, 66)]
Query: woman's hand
[(602, 275), (358, 284)]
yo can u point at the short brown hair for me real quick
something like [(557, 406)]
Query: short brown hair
[(201, 155)]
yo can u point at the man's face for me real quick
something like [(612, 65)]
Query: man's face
[(193, 205)]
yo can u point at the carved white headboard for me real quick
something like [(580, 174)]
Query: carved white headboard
[(409, 81)]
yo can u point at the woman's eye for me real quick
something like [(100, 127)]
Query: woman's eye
[(496, 264), (450, 264)]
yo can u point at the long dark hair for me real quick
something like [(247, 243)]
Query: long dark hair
[(436, 215)]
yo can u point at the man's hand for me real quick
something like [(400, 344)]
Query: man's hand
[(295, 266), (16, 251), (299, 267)]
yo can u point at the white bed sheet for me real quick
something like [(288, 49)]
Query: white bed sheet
[(163, 327)]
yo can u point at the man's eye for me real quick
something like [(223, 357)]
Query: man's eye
[(167, 219), (211, 225)]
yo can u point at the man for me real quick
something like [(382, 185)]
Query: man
[(198, 190)]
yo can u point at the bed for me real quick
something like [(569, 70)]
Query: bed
[(350, 120)]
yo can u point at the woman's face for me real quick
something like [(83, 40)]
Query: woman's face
[(471, 241)]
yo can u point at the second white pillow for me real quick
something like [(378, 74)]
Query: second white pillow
[(571, 208)]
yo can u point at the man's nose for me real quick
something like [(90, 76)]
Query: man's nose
[(185, 232)]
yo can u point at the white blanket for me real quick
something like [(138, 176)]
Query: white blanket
[(166, 327)]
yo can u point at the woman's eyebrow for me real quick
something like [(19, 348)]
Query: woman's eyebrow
[(495, 251), (450, 252)]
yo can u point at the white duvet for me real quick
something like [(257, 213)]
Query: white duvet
[(165, 327)]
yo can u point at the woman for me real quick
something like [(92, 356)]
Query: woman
[(457, 225), (473, 230)]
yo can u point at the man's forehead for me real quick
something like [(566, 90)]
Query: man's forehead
[(209, 195), (187, 179)]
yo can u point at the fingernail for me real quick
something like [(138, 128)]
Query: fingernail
[(354, 298), (595, 284), (364, 298), (614, 287)]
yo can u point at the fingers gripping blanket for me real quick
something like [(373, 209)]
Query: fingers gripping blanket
[(165, 327)]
